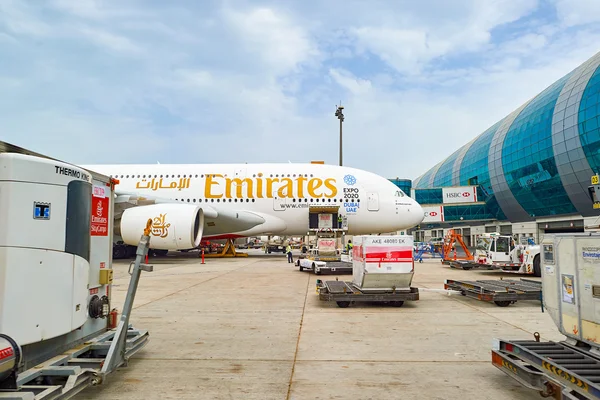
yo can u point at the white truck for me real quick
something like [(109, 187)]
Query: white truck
[(500, 251), (568, 369), (56, 319), (325, 257)]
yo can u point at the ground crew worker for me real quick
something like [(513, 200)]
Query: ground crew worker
[(340, 221), (349, 246), (288, 250)]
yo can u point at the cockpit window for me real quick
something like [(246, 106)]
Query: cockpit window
[(400, 193)]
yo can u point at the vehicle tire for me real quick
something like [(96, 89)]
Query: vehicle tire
[(537, 271), (467, 268), (505, 303), (159, 253), (117, 252), (343, 304), (398, 303)]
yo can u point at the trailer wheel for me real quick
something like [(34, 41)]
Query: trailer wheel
[(467, 268), (398, 303), (505, 303), (343, 304), (536, 266)]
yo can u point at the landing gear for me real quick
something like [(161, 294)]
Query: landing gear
[(228, 251), (122, 250)]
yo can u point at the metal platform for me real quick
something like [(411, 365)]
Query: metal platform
[(343, 293), (555, 369), (64, 376), (332, 267), (468, 265), (502, 292)]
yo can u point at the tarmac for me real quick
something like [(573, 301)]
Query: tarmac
[(254, 328)]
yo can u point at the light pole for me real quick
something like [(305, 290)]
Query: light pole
[(340, 115)]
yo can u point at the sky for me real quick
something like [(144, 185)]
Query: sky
[(240, 81)]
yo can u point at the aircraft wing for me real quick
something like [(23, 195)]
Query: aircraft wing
[(216, 221)]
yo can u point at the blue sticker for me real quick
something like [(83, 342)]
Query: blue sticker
[(349, 180), (41, 210)]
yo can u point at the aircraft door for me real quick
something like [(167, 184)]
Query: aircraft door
[(279, 203), (373, 201)]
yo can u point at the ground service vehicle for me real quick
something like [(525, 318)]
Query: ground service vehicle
[(56, 321), (503, 252)]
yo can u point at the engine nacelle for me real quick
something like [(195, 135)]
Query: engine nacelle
[(174, 226)]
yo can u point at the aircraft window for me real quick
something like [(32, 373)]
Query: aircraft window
[(194, 200), (230, 200), (400, 193), (253, 200), (212, 200)]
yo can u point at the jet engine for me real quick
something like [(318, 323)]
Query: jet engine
[(174, 226)]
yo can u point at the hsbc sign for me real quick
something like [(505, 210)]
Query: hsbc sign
[(433, 213), (459, 194)]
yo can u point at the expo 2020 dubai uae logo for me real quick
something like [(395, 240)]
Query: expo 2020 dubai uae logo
[(349, 180)]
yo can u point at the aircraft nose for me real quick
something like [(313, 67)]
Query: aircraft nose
[(417, 214)]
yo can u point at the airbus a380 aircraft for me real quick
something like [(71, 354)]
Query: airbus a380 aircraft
[(190, 202)]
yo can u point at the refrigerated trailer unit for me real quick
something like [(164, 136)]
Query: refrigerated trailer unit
[(568, 369), (56, 316)]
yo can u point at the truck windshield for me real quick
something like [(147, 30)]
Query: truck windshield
[(484, 244)]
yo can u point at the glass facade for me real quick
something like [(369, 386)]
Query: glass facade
[(467, 213), (589, 121), (443, 176), (403, 184), (429, 196), (547, 154), (528, 158)]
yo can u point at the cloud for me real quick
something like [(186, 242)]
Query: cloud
[(241, 81), (577, 12)]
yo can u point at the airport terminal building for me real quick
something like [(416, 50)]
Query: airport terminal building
[(526, 175)]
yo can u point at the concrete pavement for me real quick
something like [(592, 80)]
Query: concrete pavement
[(254, 328)]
